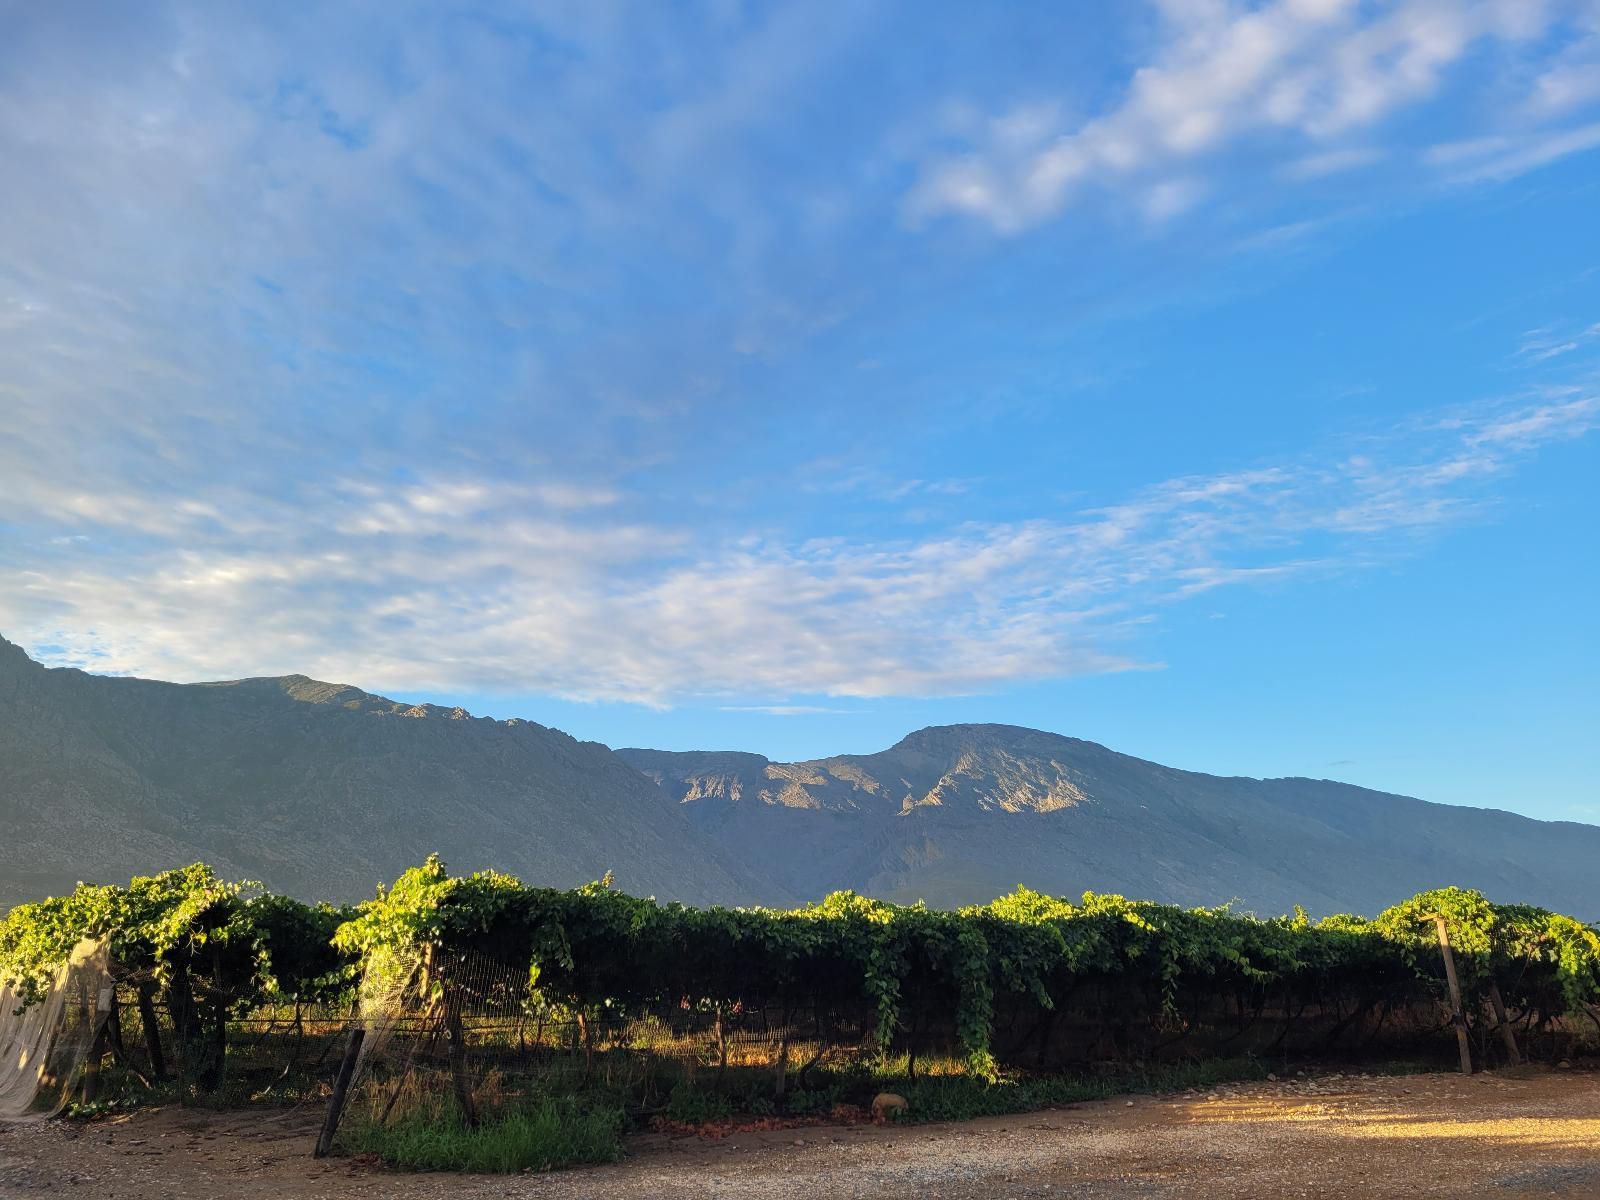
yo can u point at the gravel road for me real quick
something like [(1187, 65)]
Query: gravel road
[(1507, 1135)]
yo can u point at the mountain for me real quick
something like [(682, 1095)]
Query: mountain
[(316, 789), (962, 813), (324, 790)]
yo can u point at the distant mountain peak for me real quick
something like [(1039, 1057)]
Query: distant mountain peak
[(940, 738), (956, 813), (13, 655)]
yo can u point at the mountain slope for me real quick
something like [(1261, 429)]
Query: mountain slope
[(316, 789), (324, 790), (962, 813)]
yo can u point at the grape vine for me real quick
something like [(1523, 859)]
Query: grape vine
[(216, 948)]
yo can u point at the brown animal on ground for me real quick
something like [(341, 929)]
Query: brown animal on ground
[(887, 1105)]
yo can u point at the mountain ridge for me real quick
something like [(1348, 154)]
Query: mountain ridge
[(323, 789), (643, 754), (936, 817), (326, 789)]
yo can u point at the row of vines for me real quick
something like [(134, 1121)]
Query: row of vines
[(206, 951), (209, 951)]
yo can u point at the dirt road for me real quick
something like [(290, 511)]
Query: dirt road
[(1497, 1135)]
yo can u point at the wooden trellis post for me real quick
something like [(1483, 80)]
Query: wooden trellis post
[(1497, 1002), (341, 1091), (1458, 1016)]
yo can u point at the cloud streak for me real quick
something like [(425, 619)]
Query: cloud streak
[(458, 584), (1301, 83)]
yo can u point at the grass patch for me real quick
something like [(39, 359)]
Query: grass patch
[(540, 1134), (690, 1104)]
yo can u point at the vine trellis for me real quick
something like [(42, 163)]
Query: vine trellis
[(210, 950)]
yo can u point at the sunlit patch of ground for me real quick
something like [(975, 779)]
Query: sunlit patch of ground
[(1508, 1136)]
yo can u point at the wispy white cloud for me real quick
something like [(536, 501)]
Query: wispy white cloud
[(834, 476), (1333, 162), (390, 584), (1505, 157), (1569, 86), (1541, 345), (1571, 80), (1568, 413), (786, 710), (1293, 80), (1171, 197)]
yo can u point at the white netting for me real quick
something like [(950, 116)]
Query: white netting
[(43, 1046), (393, 999)]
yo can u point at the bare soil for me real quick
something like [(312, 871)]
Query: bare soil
[(1509, 1134)]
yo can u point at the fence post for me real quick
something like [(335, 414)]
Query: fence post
[(780, 1070), (1458, 1016), (341, 1090), (587, 1034), (152, 1030), (91, 1067), (1506, 1034), (458, 1062)]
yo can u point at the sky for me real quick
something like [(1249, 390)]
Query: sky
[(1217, 381)]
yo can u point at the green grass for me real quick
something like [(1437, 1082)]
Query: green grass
[(540, 1134), (689, 1103)]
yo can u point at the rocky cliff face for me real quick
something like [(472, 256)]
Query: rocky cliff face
[(962, 813), (962, 768), (318, 789)]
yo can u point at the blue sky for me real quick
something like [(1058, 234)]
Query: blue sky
[(1217, 381)]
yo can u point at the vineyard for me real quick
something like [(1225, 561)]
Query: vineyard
[(484, 1004)]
